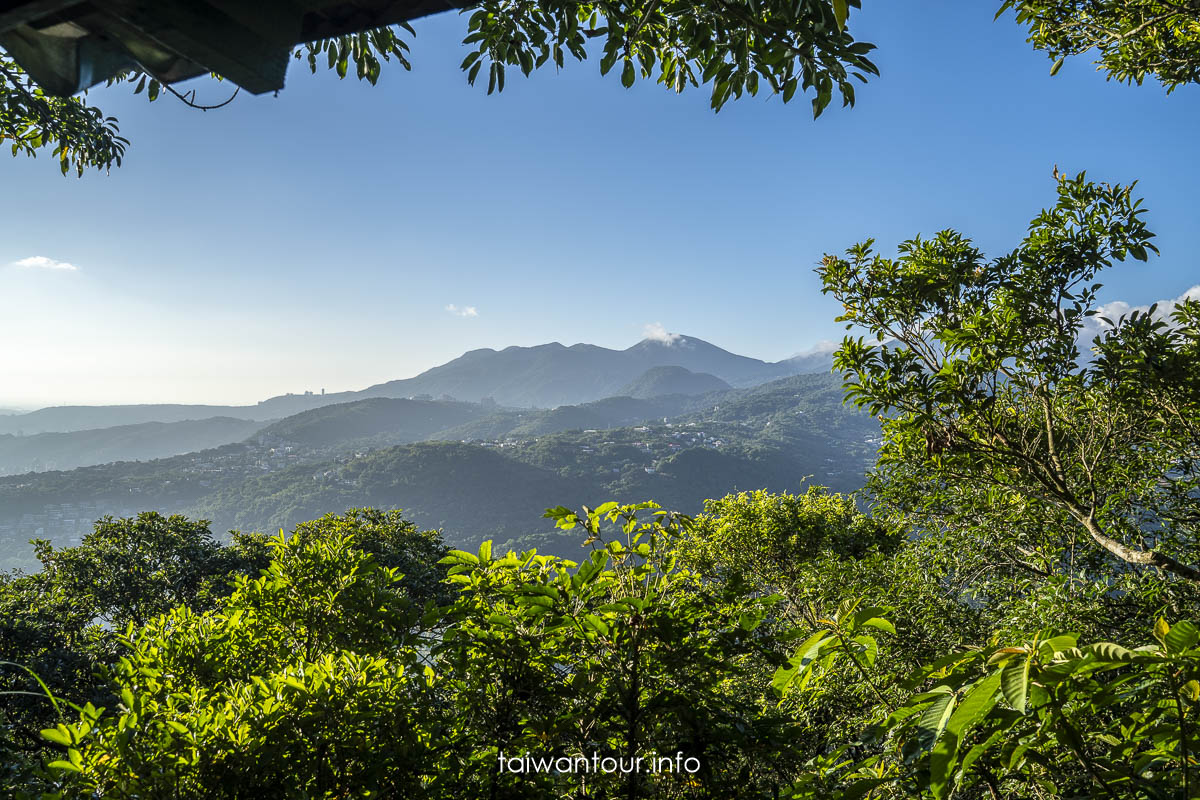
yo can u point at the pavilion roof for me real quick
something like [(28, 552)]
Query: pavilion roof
[(68, 45)]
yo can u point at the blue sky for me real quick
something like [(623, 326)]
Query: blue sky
[(316, 239)]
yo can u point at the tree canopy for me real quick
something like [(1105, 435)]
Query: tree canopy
[(998, 418), (1136, 39)]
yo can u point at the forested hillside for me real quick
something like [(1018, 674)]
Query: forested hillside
[(660, 381), (395, 420), (487, 477)]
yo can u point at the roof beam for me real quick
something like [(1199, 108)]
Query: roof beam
[(255, 58), (19, 12)]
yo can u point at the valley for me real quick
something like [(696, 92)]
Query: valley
[(474, 470)]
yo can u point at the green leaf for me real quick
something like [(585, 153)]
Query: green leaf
[(59, 735), (1056, 644), (880, 623), (628, 75), (870, 648), (1181, 637), (798, 663), (934, 719), (789, 89), (1014, 681), (1109, 651), (841, 12), (976, 703), (460, 557), (749, 620)]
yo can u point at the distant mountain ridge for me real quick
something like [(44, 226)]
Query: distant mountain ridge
[(543, 376), (551, 375), (476, 470), (140, 442), (65, 419)]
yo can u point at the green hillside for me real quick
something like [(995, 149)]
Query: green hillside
[(774, 437), (465, 489), (659, 381), (396, 420), (680, 450)]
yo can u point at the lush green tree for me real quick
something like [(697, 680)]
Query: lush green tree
[(287, 690), (784, 47), (1042, 717), (58, 623), (44, 641), (767, 542), (323, 678), (626, 654), (1135, 39), (394, 542), (819, 553), (129, 570), (1053, 461), (1051, 488)]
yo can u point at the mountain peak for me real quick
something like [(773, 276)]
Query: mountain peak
[(665, 339)]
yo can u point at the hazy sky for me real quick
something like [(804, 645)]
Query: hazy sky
[(340, 235)]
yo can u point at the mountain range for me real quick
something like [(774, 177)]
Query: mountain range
[(475, 470), (672, 418), (544, 376)]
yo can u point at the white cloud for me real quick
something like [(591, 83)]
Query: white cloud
[(821, 348), (41, 262), (463, 311), (1094, 326), (655, 332)]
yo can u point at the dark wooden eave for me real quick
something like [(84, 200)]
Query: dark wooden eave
[(69, 45)]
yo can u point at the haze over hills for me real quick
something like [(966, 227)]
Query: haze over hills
[(401, 420), (544, 376), (816, 359), (772, 436), (64, 419), (476, 470), (60, 451), (672, 418)]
